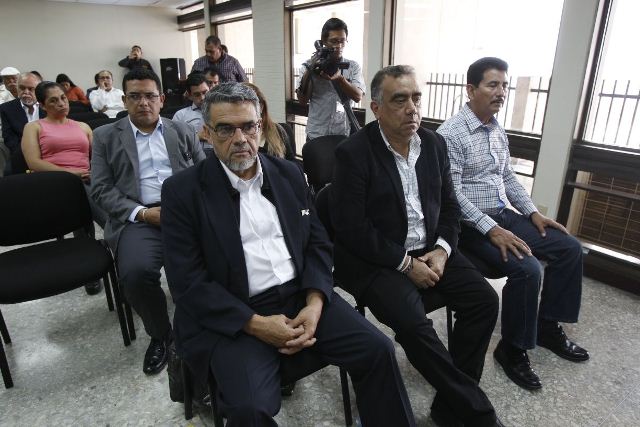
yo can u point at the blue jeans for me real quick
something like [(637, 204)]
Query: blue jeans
[(561, 287)]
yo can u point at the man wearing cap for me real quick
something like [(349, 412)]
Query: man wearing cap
[(9, 87)]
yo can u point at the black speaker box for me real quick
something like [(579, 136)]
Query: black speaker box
[(172, 71)]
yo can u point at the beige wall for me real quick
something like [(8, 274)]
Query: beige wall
[(81, 39)]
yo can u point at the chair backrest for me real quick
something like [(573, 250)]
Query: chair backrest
[(78, 107), (323, 210), (93, 124), (121, 114), (292, 138), (41, 206), (318, 159), (87, 116)]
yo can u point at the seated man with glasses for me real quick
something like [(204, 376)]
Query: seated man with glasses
[(249, 267), (130, 160), (106, 98), (327, 115)]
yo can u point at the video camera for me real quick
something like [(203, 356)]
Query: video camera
[(325, 62)]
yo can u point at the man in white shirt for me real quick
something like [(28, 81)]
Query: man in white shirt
[(197, 88), (107, 99), (130, 160), (9, 87), (249, 267)]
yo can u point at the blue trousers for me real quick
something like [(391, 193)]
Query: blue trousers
[(561, 287)]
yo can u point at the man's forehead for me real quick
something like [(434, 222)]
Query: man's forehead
[(405, 84), (493, 74), (28, 81), (233, 112)]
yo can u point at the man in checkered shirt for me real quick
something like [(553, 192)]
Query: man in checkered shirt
[(511, 241), (229, 68)]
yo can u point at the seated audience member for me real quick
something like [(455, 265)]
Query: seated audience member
[(15, 115), (135, 60), (57, 143), (273, 138), (229, 68), (106, 99), (91, 89), (9, 87), (395, 217), (197, 88), (73, 92), (212, 75), (37, 74), (130, 160), (508, 240), (249, 267)]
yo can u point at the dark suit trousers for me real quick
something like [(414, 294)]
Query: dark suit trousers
[(246, 369), (562, 285), (140, 258), (398, 303)]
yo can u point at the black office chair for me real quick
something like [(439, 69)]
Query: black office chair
[(42, 206), (121, 114), (292, 137), (318, 158), (322, 207), (87, 116), (168, 111), (78, 107), (293, 368)]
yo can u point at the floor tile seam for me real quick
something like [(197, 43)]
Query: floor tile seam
[(615, 408)]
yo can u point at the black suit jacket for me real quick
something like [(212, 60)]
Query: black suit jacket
[(368, 208), (204, 260), (13, 121)]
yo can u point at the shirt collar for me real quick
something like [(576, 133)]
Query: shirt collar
[(415, 139), (473, 121), (236, 181), (194, 107), (26, 107), (159, 127)]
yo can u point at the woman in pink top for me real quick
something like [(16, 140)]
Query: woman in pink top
[(56, 143)]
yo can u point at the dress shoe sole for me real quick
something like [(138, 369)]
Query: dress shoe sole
[(514, 377), (564, 355)]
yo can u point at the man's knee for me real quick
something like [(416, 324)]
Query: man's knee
[(134, 278), (253, 410), (527, 269)]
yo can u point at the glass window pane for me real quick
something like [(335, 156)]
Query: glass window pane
[(238, 37), (307, 26), (613, 114), (441, 38)]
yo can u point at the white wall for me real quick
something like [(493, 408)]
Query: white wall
[(81, 39)]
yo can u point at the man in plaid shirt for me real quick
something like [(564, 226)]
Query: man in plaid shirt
[(511, 241)]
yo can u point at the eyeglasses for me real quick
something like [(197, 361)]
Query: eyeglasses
[(137, 97), (104, 77), (336, 42), (227, 131)]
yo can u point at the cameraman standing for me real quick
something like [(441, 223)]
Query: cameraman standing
[(326, 73)]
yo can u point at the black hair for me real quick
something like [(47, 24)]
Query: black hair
[(211, 70), (394, 71), (475, 73), (43, 87), (36, 73), (140, 74), (62, 78), (195, 79), (333, 24), (214, 40), (136, 46), (224, 48), (96, 77)]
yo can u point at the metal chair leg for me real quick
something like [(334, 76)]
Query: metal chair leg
[(346, 399), (118, 303), (4, 332), (130, 324), (4, 368), (187, 383), (213, 390), (449, 326), (107, 291)]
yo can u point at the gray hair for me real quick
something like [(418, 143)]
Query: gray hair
[(394, 71), (25, 75), (229, 92)]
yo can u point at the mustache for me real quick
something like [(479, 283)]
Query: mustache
[(244, 147)]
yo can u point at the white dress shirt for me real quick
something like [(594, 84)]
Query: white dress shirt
[(416, 231), (191, 115), (154, 164), (112, 99), (33, 116), (268, 260)]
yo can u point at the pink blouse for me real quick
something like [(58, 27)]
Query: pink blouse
[(65, 145)]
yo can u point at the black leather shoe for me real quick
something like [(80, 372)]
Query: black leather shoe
[(442, 415), (93, 288), (516, 365), (498, 423), (156, 357), (552, 336)]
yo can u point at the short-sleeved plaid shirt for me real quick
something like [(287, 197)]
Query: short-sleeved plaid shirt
[(482, 175)]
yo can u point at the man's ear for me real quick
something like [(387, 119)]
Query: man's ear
[(124, 99), (375, 107), (471, 90)]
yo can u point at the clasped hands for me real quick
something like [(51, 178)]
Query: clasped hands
[(428, 269), (289, 336)]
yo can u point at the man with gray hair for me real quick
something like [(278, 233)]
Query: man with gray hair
[(396, 217), (249, 266)]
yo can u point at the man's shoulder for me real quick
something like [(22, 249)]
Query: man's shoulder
[(454, 126), (107, 131), (8, 106), (362, 140), (180, 127)]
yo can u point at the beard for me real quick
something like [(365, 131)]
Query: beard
[(239, 166)]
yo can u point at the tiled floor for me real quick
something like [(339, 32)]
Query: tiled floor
[(70, 368)]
